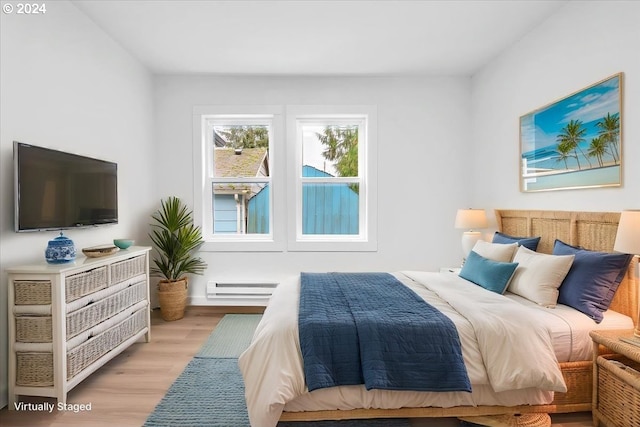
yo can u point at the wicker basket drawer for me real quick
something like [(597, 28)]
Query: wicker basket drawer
[(87, 282), (33, 328), (32, 292), (92, 314), (619, 390), (123, 270), (34, 369), (90, 351)]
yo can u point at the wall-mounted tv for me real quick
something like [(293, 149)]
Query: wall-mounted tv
[(55, 190)]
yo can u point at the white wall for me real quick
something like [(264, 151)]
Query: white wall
[(67, 86), (583, 43), (423, 133)]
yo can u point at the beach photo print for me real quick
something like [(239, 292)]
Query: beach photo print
[(574, 142)]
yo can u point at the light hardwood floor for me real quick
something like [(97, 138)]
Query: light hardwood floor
[(124, 391)]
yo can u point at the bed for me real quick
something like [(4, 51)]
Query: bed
[(272, 365)]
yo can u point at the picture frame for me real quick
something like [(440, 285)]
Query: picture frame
[(574, 142)]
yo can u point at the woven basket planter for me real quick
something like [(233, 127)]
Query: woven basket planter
[(514, 420), (173, 298)]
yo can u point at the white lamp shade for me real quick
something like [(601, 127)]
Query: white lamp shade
[(628, 235), (470, 219)]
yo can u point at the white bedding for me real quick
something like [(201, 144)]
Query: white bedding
[(273, 371), (570, 329)]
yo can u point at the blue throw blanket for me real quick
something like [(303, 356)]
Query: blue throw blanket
[(369, 328)]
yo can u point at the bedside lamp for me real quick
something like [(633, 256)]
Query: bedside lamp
[(470, 219), (628, 241)]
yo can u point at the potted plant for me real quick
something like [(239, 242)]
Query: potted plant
[(176, 238)]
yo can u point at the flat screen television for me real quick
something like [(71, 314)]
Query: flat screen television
[(55, 190)]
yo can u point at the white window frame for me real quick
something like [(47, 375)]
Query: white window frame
[(204, 118), (366, 240)]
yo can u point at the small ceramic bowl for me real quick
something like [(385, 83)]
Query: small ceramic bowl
[(123, 243)]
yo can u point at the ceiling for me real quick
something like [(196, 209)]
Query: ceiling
[(310, 37)]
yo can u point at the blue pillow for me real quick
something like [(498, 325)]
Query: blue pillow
[(527, 242), (491, 275), (592, 280)]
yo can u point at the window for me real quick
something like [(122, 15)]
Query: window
[(233, 164), (327, 202), (239, 175), (332, 190)]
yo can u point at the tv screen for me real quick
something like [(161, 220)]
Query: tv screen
[(56, 190)]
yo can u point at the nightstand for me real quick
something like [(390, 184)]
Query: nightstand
[(616, 379), (454, 270)]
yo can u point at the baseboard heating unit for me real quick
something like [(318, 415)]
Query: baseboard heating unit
[(240, 293)]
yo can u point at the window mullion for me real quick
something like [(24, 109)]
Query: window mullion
[(330, 180)]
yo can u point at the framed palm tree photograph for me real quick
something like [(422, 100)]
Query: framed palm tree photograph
[(575, 142)]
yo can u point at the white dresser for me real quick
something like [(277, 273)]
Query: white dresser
[(67, 320)]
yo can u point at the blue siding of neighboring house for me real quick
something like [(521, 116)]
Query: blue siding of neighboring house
[(224, 214), (258, 212), (328, 208)]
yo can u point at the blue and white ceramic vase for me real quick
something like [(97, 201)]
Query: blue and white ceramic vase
[(60, 250)]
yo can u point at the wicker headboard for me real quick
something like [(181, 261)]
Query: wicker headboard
[(590, 230)]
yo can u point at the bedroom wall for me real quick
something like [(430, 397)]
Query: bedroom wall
[(423, 135), (583, 43), (68, 86)]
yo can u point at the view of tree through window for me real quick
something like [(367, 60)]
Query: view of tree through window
[(341, 147), (243, 136)]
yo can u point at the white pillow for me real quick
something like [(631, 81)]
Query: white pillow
[(500, 252), (539, 276)]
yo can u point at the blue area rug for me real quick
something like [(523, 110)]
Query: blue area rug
[(231, 336), (210, 390)]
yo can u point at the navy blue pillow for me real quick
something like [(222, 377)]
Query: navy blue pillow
[(527, 242), (491, 275), (592, 280)]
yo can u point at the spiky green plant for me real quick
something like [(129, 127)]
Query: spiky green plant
[(175, 237)]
